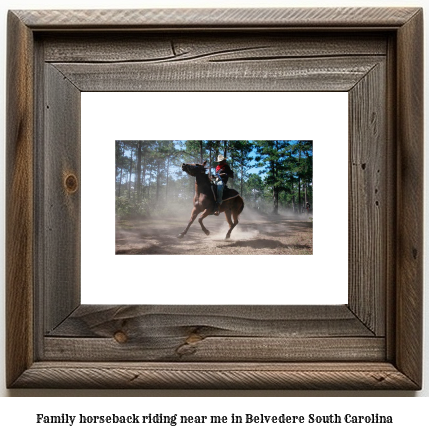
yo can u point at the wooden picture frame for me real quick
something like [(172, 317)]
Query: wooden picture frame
[(373, 342)]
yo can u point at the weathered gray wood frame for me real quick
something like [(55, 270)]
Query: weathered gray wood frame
[(373, 342)]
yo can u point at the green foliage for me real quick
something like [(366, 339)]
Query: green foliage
[(125, 208), (270, 175), (288, 170)]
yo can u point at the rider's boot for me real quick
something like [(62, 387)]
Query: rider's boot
[(216, 209)]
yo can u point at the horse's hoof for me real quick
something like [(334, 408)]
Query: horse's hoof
[(207, 233), (180, 235), (227, 236)]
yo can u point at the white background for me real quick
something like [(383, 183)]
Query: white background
[(13, 415), (320, 278)]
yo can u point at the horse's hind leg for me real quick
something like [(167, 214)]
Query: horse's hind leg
[(194, 214), (200, 220), (230, 223)]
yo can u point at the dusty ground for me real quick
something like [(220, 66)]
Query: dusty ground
[(255, 234)]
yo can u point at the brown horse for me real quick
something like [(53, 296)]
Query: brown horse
[(204, 200)]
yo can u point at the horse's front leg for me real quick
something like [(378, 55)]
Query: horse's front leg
[(194, 214), (200, 220)]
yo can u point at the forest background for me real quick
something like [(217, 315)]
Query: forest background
[(272, 176)]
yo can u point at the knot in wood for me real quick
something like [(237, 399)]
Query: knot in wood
[(193, 338), (120, 337), (71, 183)]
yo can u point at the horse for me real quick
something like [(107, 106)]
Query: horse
[(204, 200)]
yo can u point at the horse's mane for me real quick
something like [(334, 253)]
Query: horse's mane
[(205, 168)]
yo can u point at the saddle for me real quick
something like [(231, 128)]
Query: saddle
[(227, 194)]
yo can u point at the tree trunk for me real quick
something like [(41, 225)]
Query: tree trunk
[(242, 174), (149, 185), (293, 196), (143, 179), (120, 183), (139, 170), (118, 162), (158, 176), (131, 173), (217, 149), (275, 189), (276, 200), (299, 183), (166, 184), (305, 195)]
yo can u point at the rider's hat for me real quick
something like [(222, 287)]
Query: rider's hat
[(220, 158)]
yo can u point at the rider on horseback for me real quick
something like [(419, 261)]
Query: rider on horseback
[(222, 174)]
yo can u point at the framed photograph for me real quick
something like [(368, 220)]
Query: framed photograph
[(217, 86), (153, 184)]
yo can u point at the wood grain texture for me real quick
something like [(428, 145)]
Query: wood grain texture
[(19, 200), (193, 348), (99, 321), (325, 74), (213, 333), (409, 278), (368, 202), (179, 47), (39, 200), (229, 62), (61, 167), (391, 191), (215, 376), (208, 18)]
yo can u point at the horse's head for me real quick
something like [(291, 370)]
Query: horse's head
[(194, 169)]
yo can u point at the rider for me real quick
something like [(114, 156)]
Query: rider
[(222, 173)]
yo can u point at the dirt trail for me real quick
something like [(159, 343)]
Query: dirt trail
[(255, 234)]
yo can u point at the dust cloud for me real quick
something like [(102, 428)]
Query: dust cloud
[(258, 233)]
